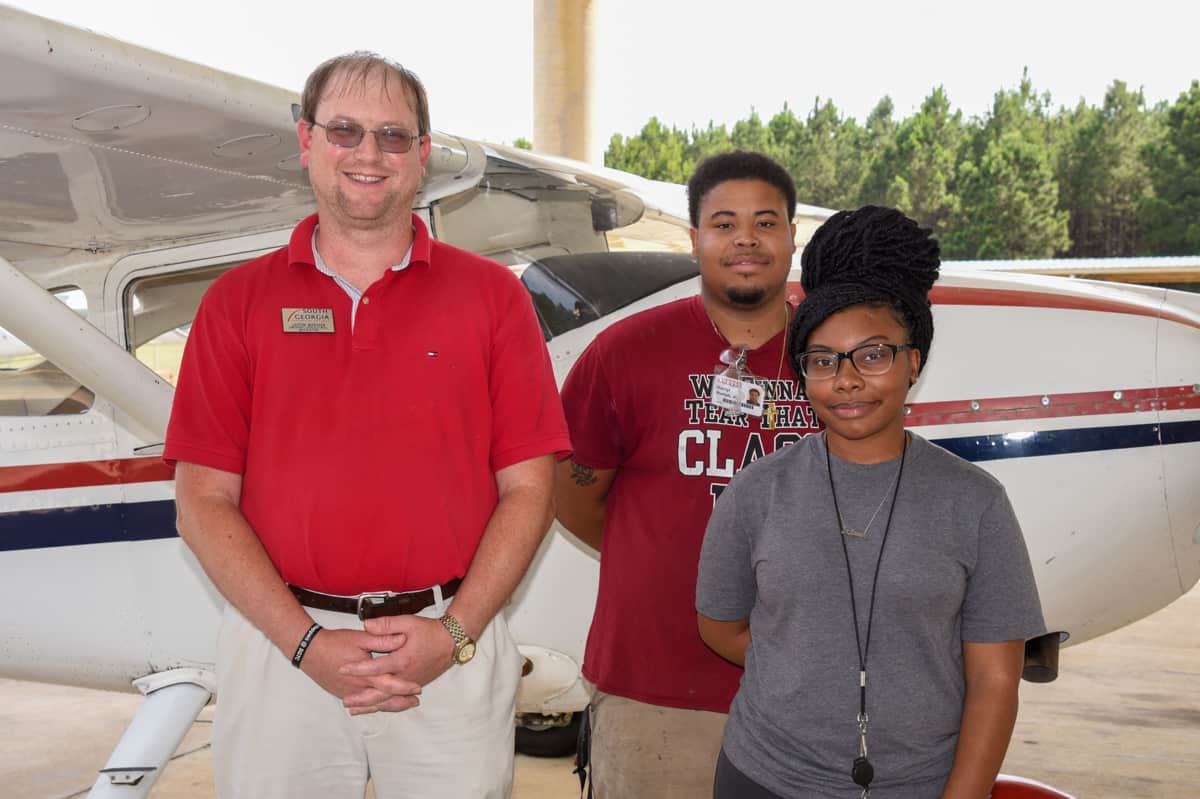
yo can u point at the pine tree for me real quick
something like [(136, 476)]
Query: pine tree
[(1008, 195), (656, 152), (1171, 219), (916, 169), (1103, 180)]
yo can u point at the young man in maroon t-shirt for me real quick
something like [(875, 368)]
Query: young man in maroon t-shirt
[(653, 448)]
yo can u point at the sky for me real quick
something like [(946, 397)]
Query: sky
[(686, 62)]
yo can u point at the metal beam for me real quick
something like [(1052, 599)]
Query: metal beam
[(72, 344), (173, 700)]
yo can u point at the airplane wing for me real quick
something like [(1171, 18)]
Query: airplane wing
[(70, 123), (106, 146)]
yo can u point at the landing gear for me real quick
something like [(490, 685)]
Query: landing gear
[(547, 735), (173, 700)]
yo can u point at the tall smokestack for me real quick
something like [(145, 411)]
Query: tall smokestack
[(563, 87)]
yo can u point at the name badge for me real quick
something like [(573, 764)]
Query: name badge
[(734, 388), (737, 396), (307, 320)]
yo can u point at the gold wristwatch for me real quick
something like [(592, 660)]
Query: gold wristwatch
[(464, 647)]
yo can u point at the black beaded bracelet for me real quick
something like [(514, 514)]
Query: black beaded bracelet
[(302, 647)]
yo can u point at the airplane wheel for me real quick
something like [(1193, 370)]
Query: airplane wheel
[(549, 741)]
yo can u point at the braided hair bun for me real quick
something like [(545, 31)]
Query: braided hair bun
[(873, 255)]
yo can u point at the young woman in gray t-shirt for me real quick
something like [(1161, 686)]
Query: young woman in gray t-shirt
[(876, 588)]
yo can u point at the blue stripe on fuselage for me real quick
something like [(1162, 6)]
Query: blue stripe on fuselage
[(1065, 442), (90, 524), (148, 521)]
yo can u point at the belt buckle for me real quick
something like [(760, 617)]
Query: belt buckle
[(372, 599)]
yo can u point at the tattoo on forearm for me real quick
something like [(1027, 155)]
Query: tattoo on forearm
[(582, 475)]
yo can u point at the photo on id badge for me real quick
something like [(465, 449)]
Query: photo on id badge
[(737, 395)]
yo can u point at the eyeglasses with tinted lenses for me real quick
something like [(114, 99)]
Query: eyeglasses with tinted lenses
[(869, 360), (350, 135)]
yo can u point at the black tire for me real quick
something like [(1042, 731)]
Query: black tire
[(551, 741)]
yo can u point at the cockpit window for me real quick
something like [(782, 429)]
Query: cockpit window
[(572, 290), (30, 385), (578, 242), (159, 310), (558, 306)]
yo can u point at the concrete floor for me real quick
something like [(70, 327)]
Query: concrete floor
[(1121, 722)]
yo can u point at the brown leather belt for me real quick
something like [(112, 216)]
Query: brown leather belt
[(374, 603)]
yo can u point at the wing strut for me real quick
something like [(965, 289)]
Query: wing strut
[(173, 700), (33, 315)]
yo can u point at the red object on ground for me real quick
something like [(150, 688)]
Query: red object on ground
[(1020, 788)]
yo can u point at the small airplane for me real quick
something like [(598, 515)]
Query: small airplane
[(129, 180)]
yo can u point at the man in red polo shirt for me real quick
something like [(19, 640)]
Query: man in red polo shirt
[(364, 429)]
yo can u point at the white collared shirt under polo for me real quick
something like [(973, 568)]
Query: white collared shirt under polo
[(354, 294)]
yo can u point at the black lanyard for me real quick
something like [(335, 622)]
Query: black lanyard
[(862, 772)]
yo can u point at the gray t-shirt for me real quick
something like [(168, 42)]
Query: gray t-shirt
[(955, 569)]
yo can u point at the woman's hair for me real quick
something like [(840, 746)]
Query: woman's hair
[(872, 256)]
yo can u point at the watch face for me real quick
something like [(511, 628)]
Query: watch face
[(465, 652)]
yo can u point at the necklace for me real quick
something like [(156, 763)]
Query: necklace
[(847, 529), (861, 771), (770, 412)]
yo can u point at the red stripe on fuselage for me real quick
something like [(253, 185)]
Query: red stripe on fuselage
[(921, 414), (951, 295), (1034, 299), (1049, 406), (44, 476)]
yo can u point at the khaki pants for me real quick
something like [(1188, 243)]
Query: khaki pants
[(642, 751), (278, 734)]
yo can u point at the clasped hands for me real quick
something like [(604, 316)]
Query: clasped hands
[(383, 667)]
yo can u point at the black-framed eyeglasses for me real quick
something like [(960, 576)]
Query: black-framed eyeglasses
[(869, 360), (389, 139)]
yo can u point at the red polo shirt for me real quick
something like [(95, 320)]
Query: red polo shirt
[(368, 456)]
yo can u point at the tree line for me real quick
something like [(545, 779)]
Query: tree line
[(1022, 181)]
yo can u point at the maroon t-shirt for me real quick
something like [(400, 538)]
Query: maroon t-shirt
[(636, 401)]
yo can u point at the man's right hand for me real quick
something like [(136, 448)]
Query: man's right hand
[(211, 523), (332, 649)]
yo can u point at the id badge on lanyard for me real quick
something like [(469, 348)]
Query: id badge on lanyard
[(735, 388)]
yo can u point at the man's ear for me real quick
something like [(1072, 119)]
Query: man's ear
[(304, 136)]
